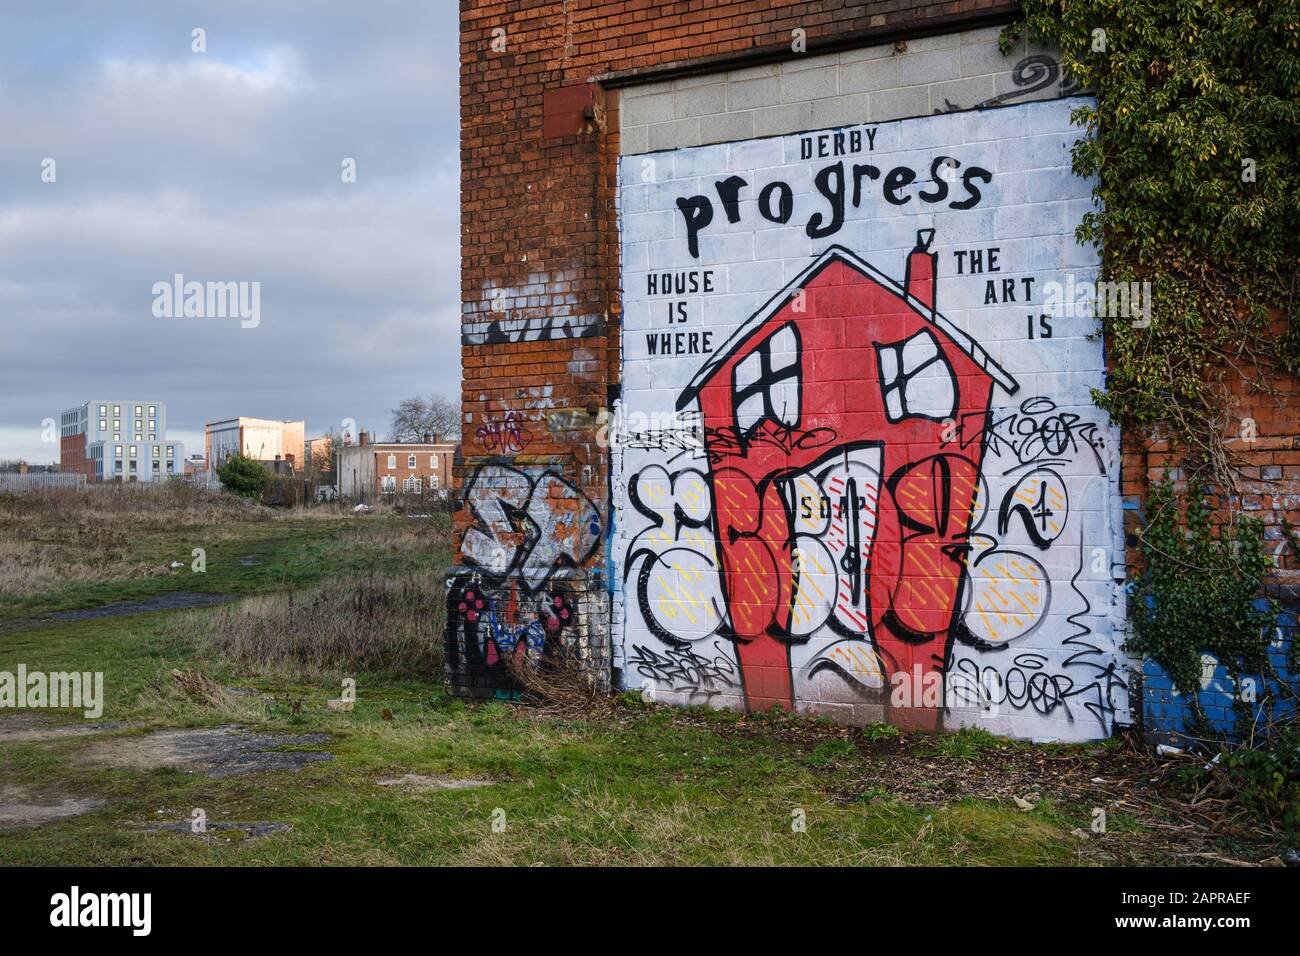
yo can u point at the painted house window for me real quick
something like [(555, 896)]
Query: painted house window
[(392, 461), (433, 482), (433, 461), (766, 382), (412, 485), (388, 484), (410, 461), (916, 380)]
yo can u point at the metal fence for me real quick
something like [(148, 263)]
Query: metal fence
[(40, 481)]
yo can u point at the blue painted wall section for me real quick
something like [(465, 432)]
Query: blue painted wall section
[(1165, 710)]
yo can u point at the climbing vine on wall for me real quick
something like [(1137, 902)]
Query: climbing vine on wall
[(1200, 593), (1194, 139)]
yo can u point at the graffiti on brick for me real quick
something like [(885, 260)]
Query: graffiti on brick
[(507, 435), (487, 625), (527, 523)]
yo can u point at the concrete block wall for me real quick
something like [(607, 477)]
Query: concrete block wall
[(875, 83), (748, 579)]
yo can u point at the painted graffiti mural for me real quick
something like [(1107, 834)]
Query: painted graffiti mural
[(530, 528), (857, 467)]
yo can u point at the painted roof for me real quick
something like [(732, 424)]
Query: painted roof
[(977, 353)]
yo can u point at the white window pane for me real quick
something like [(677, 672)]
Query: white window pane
[(785, 402), (918, 350), (748, 370), (931, 392), (888, 365), (749, 412), (893, 404)]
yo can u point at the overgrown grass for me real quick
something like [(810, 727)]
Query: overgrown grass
[(65, 550), (372, 623)]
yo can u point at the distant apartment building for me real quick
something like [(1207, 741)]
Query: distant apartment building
[(368, 470), (259, 438), (119, 441)]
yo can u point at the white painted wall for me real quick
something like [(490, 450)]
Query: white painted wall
[(1054, 667)]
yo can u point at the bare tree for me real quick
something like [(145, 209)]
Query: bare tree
[(322, 453), (413, 418)]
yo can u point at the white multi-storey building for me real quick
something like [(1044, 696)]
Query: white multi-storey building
[(119, 441)]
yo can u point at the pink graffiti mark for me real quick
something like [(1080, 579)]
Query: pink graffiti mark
[(505, 436)]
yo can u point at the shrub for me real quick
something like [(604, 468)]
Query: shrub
[(244, 476)]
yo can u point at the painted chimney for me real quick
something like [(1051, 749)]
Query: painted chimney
[(427, 438), (921, 269), (363, 438)]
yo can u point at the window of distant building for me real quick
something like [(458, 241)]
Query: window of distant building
[(134, 449), (137, 409), (117, 410), (103, 424), (103, 411), (153, 409), (117, 451)]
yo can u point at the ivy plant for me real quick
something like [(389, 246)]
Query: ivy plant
[(1201, 593), (1194, 141)]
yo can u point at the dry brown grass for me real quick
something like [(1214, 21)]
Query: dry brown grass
[(60, 536), (352, 625)]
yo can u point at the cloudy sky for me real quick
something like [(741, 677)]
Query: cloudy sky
[(226, 166)]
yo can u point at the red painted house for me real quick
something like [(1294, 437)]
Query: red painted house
[(842, 493)]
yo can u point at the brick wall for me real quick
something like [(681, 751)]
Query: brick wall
[(431, 461), (72, 456)]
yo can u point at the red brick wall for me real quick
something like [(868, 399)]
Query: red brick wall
[(1261, 436), (72, 456), (402, 469)]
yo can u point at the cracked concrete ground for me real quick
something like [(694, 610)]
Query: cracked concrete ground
[(22, 808), (227, 751)]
